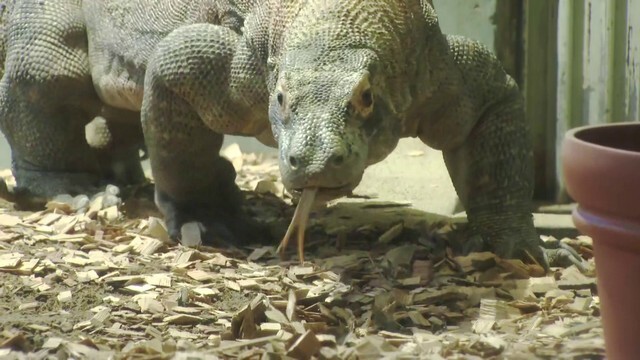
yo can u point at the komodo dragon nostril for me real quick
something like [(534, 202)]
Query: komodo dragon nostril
[(293, 162), (337, 160)]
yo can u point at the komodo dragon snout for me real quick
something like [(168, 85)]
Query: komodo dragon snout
[(324, 122)]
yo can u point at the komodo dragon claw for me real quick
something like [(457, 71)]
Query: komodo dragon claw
[(547, 253), (560, 254)]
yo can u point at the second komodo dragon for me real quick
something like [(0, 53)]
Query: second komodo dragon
[(334, 84)]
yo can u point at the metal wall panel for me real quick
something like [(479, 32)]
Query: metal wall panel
[(598, 66)]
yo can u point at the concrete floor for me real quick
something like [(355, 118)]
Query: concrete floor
[(5, 153), (413, 172)]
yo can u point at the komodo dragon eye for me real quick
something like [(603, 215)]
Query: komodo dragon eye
[(280, 98), (367, 98), (361, 101)]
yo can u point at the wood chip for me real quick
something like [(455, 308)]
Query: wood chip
[(269, 327), (10, 260), (572, 278), (186, 310), (29, 306), (52, 343), (259, 253), (159, 280), (391, 234), (99, 318), (207, 292), (49, 219), (139, 289), (175, 333), (248, 284), (71, 238), (157, 229), (267, 187), (232, 285), (9, 220), (305, 347), (542, 284), (86, 276), (148, 246), (183, 257), (148, 304), (182, 319), (234, 154), (201, 276), (298, 271), (64, 296), (476, 261), (111, 285)]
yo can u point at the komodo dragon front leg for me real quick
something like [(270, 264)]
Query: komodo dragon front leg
[(492, 171), (190, 100), (492, 174)]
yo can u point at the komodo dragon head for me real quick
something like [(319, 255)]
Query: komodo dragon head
[(341, 88)]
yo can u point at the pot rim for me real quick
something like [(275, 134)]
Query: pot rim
[(570, 135)]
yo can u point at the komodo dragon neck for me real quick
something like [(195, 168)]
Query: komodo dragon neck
[(435, 82)]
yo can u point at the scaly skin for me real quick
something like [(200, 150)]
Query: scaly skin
[(333, 84)]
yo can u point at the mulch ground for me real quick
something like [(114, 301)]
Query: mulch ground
[(378, 282)]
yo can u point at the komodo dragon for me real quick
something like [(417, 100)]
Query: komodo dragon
[(333, 84)]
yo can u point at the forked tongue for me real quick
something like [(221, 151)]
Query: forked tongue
[(300, 219)]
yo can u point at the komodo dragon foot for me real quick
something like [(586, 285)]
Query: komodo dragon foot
[(563, 255), (553, 253), (75, 173), (219, 214), (36, 188)]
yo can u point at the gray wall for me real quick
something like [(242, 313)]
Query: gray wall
[(598, 65), (5, 155), (471, 18)]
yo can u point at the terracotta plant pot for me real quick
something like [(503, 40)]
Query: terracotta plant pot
[(601, 166)]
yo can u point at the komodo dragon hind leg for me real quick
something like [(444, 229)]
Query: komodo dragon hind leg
[(43, 107), (46, 98), (187, 83), (493, 176)]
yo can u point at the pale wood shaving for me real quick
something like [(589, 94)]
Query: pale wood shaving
[(92, 283)]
